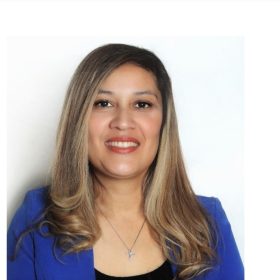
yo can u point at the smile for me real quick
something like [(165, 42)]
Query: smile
[(122, 145)]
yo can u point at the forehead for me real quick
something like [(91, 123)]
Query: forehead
[(130, 76)]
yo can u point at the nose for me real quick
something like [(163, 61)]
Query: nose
[(122, 120)]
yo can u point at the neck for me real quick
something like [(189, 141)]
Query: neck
[(120, 197)]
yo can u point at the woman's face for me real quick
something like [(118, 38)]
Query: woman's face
[(125, 122)]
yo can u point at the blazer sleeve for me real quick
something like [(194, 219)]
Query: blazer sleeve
[(231, 267), (21, 266)]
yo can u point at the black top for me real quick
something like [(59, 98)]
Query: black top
[(164, 272)]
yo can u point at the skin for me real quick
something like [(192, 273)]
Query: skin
[(121, 110)]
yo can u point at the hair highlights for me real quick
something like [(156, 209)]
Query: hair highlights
[(172, 210)]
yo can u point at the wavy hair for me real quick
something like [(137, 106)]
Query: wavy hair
[(185, 232)]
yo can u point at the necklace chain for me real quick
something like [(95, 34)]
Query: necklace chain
[(129, 249)]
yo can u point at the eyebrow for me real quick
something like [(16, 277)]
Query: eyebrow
[(144, 92)]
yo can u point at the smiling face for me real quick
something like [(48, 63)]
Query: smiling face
[(125, 123)]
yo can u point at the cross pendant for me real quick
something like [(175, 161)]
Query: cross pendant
[(130, 253)]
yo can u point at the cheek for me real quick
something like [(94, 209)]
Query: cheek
[(95, 130), (96, 127), (152, 127)]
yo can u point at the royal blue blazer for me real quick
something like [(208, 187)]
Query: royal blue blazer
[(35, 258)]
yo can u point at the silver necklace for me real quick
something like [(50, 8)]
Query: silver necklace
[(129, 249)]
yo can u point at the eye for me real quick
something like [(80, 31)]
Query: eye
[(102, 103), (143, 105)]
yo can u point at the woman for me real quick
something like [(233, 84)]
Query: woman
[(120, 205)]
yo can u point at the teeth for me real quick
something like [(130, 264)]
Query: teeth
[(122, 144)]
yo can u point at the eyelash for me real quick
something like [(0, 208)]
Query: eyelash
[(145, 103), (100, 103)]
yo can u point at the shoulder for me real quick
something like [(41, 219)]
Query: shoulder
[(229, 261), (214, 209), (27, 214), (31, 208), (213, 206), (35, 201), (37, 198), (207, 202), (218, 218)]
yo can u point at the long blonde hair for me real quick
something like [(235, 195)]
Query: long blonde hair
[(185, 231)]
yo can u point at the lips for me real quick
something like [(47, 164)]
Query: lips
[(122, 145)]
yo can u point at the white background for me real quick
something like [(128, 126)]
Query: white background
[(256, 21), (207, 76)]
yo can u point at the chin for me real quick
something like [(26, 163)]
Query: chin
[(125, 173)]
